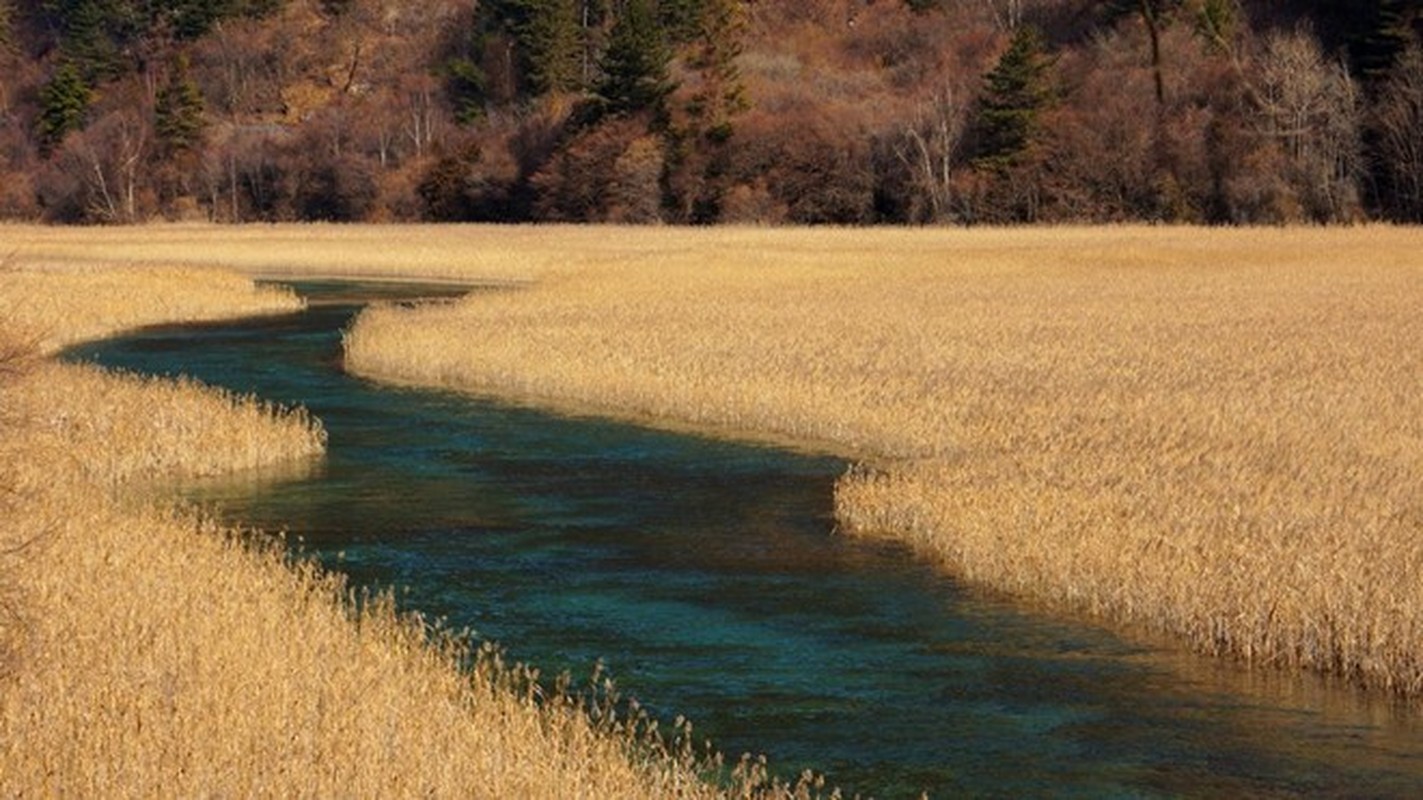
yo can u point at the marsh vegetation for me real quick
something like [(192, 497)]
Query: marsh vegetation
[(1211, 434)]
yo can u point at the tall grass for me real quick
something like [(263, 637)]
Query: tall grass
[(1217, 434), (148, 652), (113, 428), (54, 307), (166, 657)]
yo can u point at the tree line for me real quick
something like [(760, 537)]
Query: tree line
[(712, 111)]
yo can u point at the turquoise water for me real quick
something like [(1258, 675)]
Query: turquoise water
[(708, 578)]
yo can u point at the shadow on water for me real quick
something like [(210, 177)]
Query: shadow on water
[(707, 576)]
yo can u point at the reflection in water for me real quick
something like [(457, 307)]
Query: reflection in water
[(707, 576)]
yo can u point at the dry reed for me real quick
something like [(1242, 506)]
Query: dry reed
[(1214, 433), (165, 657), (115, 428), (54, 307), (147, 652)]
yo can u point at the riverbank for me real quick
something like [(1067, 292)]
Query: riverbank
[(146, 651)]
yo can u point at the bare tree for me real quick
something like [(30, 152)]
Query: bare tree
[(1398, 123), (106, 160), (422, 112), (1007, 14), (635, 193), (930, 148), (1310, 109)]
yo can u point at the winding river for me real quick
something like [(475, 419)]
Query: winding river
[(708, 578)]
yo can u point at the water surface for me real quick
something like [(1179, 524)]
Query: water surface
[(708, 577)]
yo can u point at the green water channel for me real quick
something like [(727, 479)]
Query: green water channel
[(707, 576)]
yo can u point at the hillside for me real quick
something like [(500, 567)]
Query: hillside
[(712, 111)]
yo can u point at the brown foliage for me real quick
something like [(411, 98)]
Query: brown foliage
[(324, 111), (609, 172), (817, 167)]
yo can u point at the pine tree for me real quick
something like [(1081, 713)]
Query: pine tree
[(1218, 23), (548, 34), (63, 104), (193, 18), (1015, 93), (680, 19), (635, 65), (1387, 31), (178, 112), (467, 87), (92, 33), (721, 94), (7, 24)]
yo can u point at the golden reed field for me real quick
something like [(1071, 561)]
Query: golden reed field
[(1215, 434), (144, 651)]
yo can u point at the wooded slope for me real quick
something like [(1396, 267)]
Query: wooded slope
[(708, 111)]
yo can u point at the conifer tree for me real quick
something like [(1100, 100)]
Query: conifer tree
[(467, 87), (92, 33), (63, 104), (1387, 33), (7, 24), (635, 65), (721, 95), (1218, 23), (680, 19), (548, 34), (178, 112), (1015, 93)]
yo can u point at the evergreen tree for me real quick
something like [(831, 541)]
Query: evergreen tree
[(1375, 32), (721, 95), (63, 104), (1387, 32), (7, 24), (680, 19), (466, 84), (1015, 93), (178, 112), (549, 39), (594, 19), (1218, 23), (635, 65), (100, 36), (93, 34), (193, 18)]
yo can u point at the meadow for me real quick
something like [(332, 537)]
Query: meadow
[(1212, 434)]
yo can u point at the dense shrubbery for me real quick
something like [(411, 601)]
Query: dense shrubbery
[(703, 111)]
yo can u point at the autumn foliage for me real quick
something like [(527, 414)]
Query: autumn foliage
[(706, 111)]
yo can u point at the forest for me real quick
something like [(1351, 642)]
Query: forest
[(845, 112)]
